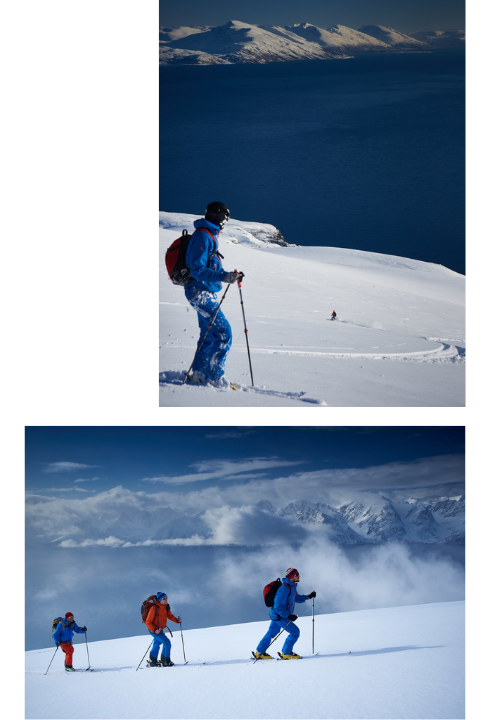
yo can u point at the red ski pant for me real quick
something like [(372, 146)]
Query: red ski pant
[(68, 650)]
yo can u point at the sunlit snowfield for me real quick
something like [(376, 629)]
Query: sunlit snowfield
[(405, 662), (398, 340)]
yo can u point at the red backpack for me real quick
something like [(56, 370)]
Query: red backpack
[(270, 592), (146, 607), (175, 258)]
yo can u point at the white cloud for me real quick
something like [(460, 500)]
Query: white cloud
[(64, 466), (225, 469), (79, 480), (68, 489), (383, 576), (228, 508)]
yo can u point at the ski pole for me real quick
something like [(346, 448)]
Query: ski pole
[(149, 646), (204, 338), (51, 660), (289, 623), (88, 656), (313, 630), (245, 325), (182, 636)]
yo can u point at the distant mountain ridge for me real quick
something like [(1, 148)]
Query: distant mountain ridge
[(237, 42), (356, 523)]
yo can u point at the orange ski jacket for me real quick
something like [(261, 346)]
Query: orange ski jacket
[(158, 616)]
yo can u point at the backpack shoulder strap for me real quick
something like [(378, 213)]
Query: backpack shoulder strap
[(215, 244)]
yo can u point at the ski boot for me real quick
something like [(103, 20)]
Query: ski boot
[(69, 668), (223, 384), (197, 378), (165, 661), (262, 656), (153, 662), (292, 656)]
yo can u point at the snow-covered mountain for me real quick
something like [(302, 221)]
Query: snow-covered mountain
[(441, 38), (355, 523), (339, 530), (237, 42), (339, 37), (393, 38)]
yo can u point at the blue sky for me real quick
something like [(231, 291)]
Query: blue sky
[(76, 461)]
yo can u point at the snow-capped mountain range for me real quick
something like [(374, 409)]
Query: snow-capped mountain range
[(355, 523), (237, 42)]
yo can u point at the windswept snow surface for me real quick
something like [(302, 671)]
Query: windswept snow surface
[(398, 339), (404, 662), (395, 341)]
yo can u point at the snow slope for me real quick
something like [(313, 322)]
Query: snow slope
[(338, 36), (393, 38), (395, 342), (398, 339), (404, 662)]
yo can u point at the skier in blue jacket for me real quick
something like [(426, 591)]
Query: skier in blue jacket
[(63, 636), (204, 262), (282, 616)]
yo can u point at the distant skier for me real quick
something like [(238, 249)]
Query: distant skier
[(333, 315), (282, 616), (156, 622), (204, 262), (63, 636)]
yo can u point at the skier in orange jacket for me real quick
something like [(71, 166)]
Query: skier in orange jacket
[(156, 622)]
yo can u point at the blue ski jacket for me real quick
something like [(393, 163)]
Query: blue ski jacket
[(203, 260), (64, 632), (284, 600)]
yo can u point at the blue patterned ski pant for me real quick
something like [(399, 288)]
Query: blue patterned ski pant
[(212, 356)]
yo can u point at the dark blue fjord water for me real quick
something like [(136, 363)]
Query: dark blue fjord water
[(386, 153), (365, 153)]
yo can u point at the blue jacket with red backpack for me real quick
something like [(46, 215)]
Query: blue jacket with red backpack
[(284, 600), (203, 258)]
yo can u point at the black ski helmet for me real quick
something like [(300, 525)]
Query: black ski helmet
[(217, 213)]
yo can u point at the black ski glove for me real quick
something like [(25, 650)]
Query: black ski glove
[(292, 617), (231, 277), (311, 595), (84, 629)]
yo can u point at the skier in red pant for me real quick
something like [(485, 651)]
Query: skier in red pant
[(63, 636)]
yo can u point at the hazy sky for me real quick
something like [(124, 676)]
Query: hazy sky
[(403, 15)]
